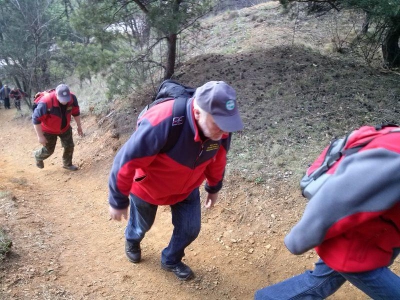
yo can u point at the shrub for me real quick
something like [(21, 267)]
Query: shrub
[(5, 244)]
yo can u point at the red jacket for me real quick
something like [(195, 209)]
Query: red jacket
[(166, 178), (49, 114), (17, 94)]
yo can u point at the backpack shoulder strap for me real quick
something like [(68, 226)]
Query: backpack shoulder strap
[(332, 155), (383, 125), (180, 93), (178, 119)]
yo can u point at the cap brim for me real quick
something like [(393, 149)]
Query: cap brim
[(64, 99), (229, 123)]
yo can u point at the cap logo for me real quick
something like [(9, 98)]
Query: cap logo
[(65, 93), (230, 105)]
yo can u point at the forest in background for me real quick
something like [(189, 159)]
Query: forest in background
[(133, 43)]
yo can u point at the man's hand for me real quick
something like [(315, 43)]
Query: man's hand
[(116, 214), (78, 123), (211, 200), (42, 140), (39, 132), (80, 131)]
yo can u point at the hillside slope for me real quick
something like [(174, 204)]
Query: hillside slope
[(294, 97)]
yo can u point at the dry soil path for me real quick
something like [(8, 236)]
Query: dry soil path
[(65, 246)]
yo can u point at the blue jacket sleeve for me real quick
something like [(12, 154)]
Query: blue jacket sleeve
[(38, 113)]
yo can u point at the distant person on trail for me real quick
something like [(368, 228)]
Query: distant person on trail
[(144, 177), (5, 95), (51, 119), (17, 94), (353, 220)]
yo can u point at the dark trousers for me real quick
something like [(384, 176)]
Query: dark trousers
[(7, 103), (17, 103), (66, 141), (186, 218)]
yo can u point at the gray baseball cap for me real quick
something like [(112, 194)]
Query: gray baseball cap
[(63, 93), (219, 100)]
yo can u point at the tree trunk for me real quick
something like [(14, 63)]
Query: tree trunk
[(17, 83), (171, 56), (146, 32), (45, 75), (365, 25), (390, 46), (172, 40)]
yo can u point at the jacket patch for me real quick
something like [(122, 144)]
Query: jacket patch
[(212, 147)]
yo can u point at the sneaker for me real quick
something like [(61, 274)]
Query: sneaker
[(71, 167), (133, 251), (40, 164), (182, 271)]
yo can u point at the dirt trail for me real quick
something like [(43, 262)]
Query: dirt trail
[(65, 246)]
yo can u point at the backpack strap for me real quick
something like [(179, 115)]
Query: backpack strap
[(181, 93), (178, 119), (172, 90), (332, 155), (355, 149), (383, 125)]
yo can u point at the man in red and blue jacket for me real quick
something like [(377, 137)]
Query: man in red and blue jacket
[(17, 94), (145, 177), (51, 119), (353, 221)]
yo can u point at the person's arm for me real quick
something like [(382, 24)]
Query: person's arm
[(37, 118), (78, 124), (215, 173), (39, 132), (76, 114)]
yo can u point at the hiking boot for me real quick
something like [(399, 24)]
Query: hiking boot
[(133, 251), (182, 271), (40, 164), (71, 168)]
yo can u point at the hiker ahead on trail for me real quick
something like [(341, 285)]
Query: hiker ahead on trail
[(5, 96), (51, 119), (17, 94), (352, 220), (145, 175)]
